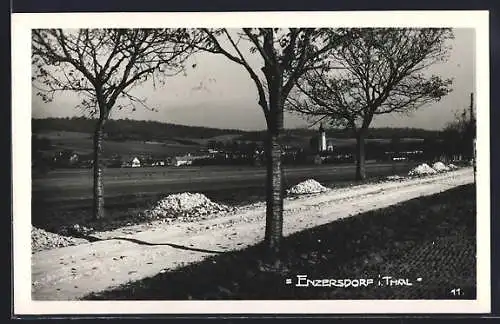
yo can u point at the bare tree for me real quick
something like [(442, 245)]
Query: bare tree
[(285, 55), (378, 71), (103, 66), (459, 135)]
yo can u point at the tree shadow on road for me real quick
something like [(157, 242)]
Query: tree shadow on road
[(431, 238), (91, 238)]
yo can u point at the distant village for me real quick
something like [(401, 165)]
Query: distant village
[(319, 150)]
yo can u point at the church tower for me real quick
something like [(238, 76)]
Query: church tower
[(322, 139)]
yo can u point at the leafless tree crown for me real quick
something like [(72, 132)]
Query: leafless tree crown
[(376, 71), (103, 65)]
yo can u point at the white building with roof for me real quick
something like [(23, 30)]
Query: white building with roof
[(135, 163)]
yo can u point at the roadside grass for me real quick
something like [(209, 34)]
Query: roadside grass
[(432, 238)]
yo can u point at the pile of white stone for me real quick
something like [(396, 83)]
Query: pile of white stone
[(186, 206), (440, 167), (43, 240), (425, 169), (309, 186), (422, 169)]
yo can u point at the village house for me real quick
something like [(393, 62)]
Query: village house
[(158, 163), (182, 160), (135, 163), (132, 163), (187, 159)]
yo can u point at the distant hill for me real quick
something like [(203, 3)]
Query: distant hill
[(127, 130), (373, 133), (129, 138)]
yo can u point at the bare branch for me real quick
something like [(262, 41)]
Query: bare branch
[(218, 49), (109, 61), (256, 42), (382, 74)]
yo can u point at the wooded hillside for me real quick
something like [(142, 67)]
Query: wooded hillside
[(126, 129)]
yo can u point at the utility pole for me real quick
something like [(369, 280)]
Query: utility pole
[(473, 133), (471, 108)]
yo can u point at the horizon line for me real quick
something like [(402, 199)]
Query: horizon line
[(230, 129)]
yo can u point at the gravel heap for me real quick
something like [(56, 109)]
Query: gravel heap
[(43, 240), (440, 167), (76, 230), (309, 186), (422, 169), (186, 206)]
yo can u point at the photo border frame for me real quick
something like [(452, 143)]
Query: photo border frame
[(492, 156)]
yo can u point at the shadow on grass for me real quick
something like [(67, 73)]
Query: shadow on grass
[(432, 238)]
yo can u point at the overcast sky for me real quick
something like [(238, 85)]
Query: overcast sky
[(219, 93)]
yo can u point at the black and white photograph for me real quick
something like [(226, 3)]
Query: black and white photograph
[(333, 162)]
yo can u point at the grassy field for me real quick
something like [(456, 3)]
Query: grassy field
[(139, 190), (76, 184), (432, 238), (82, 144)]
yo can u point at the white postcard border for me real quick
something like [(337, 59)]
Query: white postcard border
[(22, 23)]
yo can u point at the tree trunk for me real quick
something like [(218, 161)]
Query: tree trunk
[(360, 156), (274, 195), (274, 188), (98, 212)]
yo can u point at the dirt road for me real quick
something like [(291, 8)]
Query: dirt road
[(122, 255)]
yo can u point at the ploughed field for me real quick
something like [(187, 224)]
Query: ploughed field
[(74, 186), (63, 198)]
